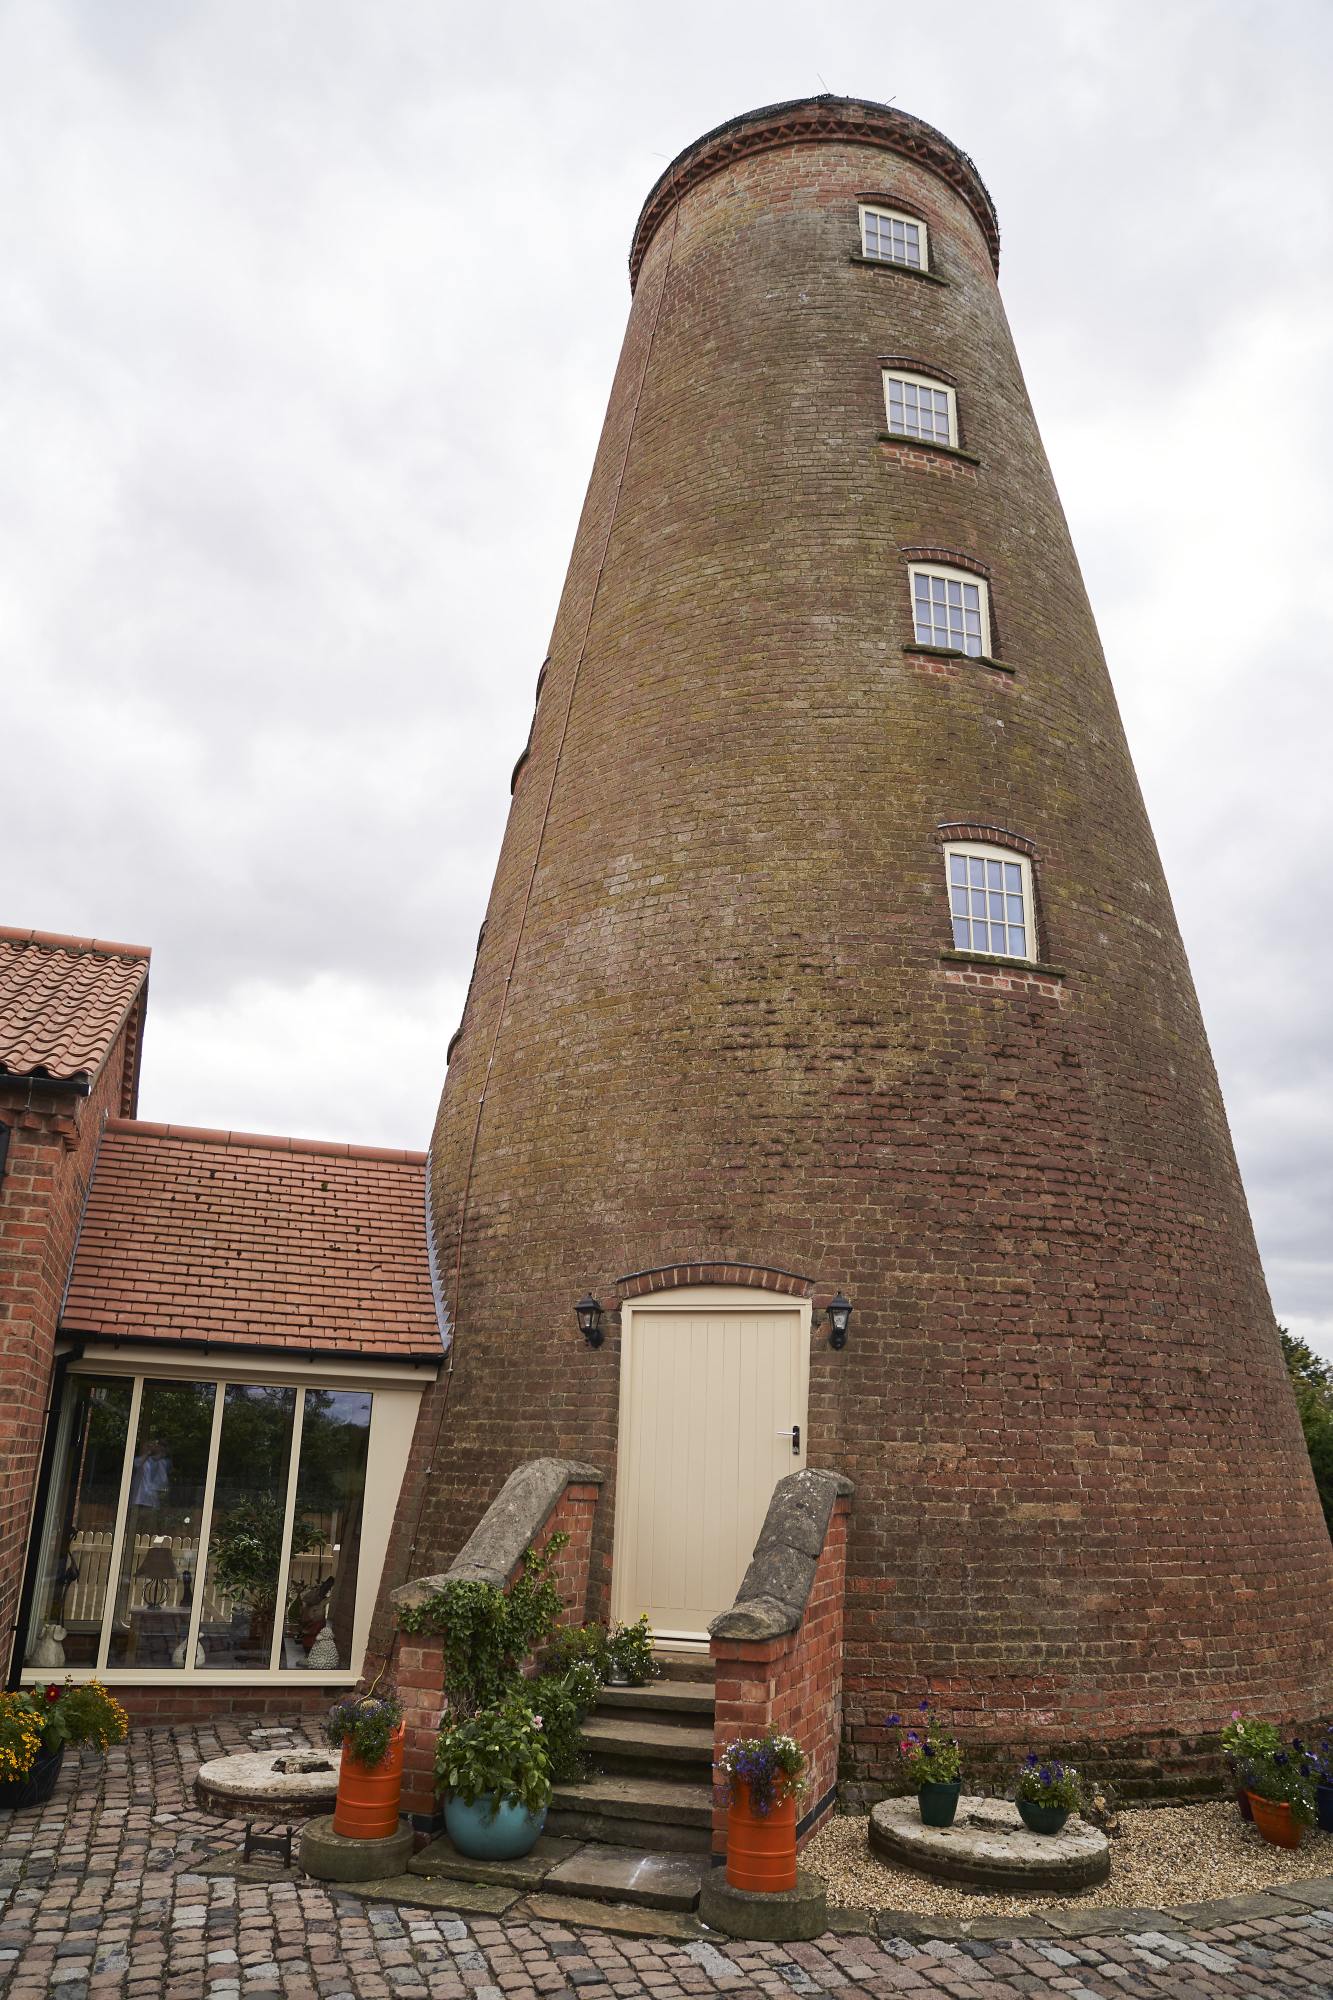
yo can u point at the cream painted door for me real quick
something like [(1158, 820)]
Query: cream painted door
[(712, 1385)]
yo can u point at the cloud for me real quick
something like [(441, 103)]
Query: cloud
[(309, 321)]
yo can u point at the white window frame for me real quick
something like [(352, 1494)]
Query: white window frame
[(396, 1394), (882, 213), (989, 851), (951, 575), (907, 376)]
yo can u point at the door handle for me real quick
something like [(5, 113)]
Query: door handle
[(796, 1440)]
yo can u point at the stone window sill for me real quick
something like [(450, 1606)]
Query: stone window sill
[(900, 270), (955, 653), (983, 959), (928, 444)]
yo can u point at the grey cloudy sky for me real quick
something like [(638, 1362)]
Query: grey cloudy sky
[(308, 316)]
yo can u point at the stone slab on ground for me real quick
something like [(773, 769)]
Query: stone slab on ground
[(988, 1847), (422, 1892), (528, 1871), (779, 1916), (247, 1786), (627, 1875), (331, 1857), (623, 1919)]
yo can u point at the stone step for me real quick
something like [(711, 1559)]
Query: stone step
[(683, 1664), (663, 1748), (688, 1699), (649, 1813), (609, 1874)]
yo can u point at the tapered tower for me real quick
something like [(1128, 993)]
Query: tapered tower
[(829, 951)]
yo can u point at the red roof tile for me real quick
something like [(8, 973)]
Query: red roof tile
[(64, 1000), (239, 1239)]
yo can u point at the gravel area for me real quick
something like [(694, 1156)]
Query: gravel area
[(1174, 1854)]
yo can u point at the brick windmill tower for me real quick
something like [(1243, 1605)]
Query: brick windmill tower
[(829, 953)]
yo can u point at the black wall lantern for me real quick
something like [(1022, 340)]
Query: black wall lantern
[(588, 1313), (839, 1313)]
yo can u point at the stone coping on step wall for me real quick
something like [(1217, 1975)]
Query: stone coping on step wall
[(509, 1526), (776, 1587)]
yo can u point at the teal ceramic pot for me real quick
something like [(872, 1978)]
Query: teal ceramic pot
[(938, 1803), (1041, 1819), (492, 1831)]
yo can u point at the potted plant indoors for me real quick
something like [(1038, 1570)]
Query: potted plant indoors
[(1246, 1741), (368, 1729), (1047, 1792), (762, 1777), (247, 1556), (495, 1768), (35, 1726), (933, 1763), (1281, 1785)]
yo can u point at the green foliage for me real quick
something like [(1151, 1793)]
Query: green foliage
[(632, 1651), (1284, 1775), (37, 1719), (487, 1632), (367, 1722), (498, 1751), (1045, 1781), (1312, 1385), (929, 1757), (246, 1550), (1246, 1740), (580, 1646), (562, 1700), (772, 1766)]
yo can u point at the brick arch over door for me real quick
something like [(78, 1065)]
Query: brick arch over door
[(673, 1277)]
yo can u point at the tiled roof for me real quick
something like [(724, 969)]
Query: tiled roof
[(63, 1001), (236, 1239)]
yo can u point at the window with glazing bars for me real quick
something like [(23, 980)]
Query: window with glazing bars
[(950, 609), (918, 407), (990, 900), (893, 238)]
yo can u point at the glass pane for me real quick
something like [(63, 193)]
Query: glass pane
[(326, 1530), (995, 874), (958, 868), (961, 939), (1015, 907), (245, 1537), (1013, 876), (978, 870), (159, 1558), (959, 903), (74, 1564), (1018, 944)]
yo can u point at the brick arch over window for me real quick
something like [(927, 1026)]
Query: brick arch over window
[(986, 835), (673, 1277)]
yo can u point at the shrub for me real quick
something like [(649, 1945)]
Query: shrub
[(365, 1721), (580, 1646), (928, 1756), (500, 1752), (772, 1766), (631, 1648), (1045, 1781), (563, 1700)]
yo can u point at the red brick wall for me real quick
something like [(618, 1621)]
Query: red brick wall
[(419, 1662), (713, 1021), (53, 1142), (792, 1684)]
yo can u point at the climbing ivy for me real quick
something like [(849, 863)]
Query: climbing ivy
[(488, 1633)]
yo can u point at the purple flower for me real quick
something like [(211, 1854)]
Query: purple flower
[(924, 1706), (928, 1750), (893, 1722), (1032, 1760)]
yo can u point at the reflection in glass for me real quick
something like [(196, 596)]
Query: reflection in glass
[(245, 1538), (159, 1557), (75, 1561), (326, 1535)]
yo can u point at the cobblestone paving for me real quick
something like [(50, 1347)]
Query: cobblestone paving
[(100, 1895)]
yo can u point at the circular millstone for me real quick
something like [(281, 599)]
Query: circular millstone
[(988, 1847), (250, 1784), (778, 1916), (332, 1857)]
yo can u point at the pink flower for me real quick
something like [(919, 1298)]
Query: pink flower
[(536, 1722)]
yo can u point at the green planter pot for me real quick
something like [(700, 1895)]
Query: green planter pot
[(1041, 1819), (938, 1803)]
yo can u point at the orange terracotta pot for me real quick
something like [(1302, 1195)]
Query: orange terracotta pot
[(761, 1847), (1273, 1817), (368, 1794)]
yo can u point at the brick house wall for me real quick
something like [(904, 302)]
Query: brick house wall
[(53, 1145), (716, 1016)]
